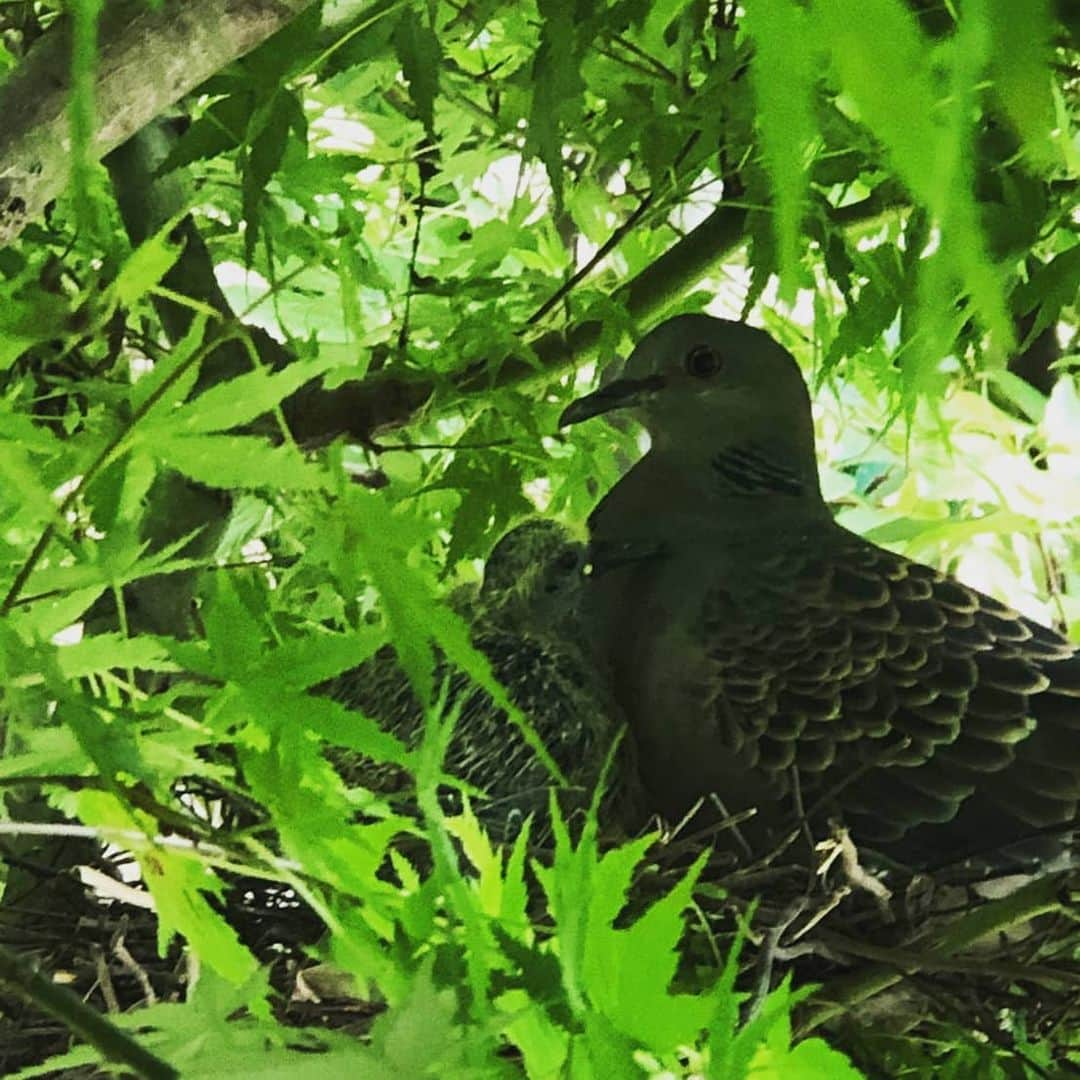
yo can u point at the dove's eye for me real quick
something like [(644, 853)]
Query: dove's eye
[(703, 361)]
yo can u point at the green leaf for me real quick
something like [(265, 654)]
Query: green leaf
[(874, 48), (237, 461), (267, 136), (557, 86), (220, 129), (172, 377), (1031, 402), (335, 724), (381, 541), (421, 1036), (240, 400), (1022, 43), (1051, 287), (27, 320), (421, 58), (145, 267), (784, 70), (180, 887), (105, 652), (628, 972)]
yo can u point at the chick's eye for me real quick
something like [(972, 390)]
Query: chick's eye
[(567, 561), (702, 361)]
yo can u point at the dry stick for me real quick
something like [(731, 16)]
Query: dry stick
[(1026, 903), (822, 800), (24, 979), (910, 961), (769, 948), (104, 980), (136, 969)]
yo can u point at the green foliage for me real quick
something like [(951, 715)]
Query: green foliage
[(399, 202)]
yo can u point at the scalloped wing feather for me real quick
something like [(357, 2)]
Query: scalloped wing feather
[(898, 689)]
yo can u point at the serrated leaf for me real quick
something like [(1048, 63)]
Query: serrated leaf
[(49, 751), (238, 461), (629, 971), (104, 652), (1051, 287), (336, 724), (556, 84), (180, 887), (27, 320), (46, 617), (267, 137), (145, 267), (235, 620), (302, 662), (22, 477), (220, 129), (784, 72), (478, 849), (1020, 69), (239, 401), (422, 1034), (381, 541), (173, 376), (876, 46), (420, 54), (812, 1059)]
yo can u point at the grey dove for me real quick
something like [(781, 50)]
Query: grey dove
[(526, 619), (769, 656)]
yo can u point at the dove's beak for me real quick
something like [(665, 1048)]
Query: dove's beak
[(620, 394)]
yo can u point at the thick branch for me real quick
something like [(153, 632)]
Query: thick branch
[(149, 57), (360, 409)]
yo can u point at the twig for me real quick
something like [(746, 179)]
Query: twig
[(389, 448), (853, 870), (826, 797), (136, 969), (910, 961), (800, 811), (658, 68), (1038, 898), (834, 901), (23, 978), (608, 245), (104, 980), (1053, 580), (769, 947), (731, 821), (420, 203)]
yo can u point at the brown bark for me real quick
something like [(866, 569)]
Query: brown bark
[(148, 59)]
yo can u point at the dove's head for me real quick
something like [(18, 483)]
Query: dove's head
[(718, 390)]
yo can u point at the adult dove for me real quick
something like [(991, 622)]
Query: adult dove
[(767, 655)]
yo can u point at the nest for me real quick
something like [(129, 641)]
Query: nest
[(899, 959)]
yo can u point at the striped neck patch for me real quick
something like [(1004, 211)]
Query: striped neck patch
[(748, 470)]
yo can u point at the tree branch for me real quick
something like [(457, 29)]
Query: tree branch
[(149, 56)]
